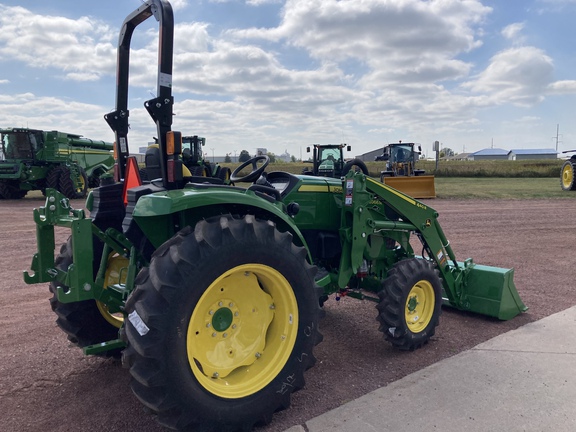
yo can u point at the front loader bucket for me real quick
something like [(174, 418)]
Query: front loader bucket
[(491, 291), (415, 186)]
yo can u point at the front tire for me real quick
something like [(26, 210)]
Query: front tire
[(410, 304), (222, 325)]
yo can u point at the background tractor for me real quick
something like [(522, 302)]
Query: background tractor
[(193, 162), (401, 172), (212, 294), (33, 159), (568, 173), (328, 161)]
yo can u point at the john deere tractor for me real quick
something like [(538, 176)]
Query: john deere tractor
[(193, 162), (212, 293), (328, 161)]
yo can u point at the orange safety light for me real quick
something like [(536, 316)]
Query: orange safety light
[(170, 143), (173, 142), (131, 177)]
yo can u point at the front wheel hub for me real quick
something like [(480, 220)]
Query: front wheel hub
[(419, 306)]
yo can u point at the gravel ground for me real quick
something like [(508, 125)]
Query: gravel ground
[(46, 384)]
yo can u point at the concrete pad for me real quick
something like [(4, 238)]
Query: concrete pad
[(553, 334), (523, 380)]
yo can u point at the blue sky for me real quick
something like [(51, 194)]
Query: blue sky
[(283, 74)]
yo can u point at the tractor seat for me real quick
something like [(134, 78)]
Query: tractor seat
[(152, 162)]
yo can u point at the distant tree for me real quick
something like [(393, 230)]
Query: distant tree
[(244, 156), (446, 152), (272, 157), (227, 158), (293, 158)]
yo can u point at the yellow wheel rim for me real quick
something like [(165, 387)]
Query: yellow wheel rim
[(419, 306), (116, 271), (242, 331), (81, 184), (567, 175)]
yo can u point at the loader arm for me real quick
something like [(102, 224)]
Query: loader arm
[(466, 285)]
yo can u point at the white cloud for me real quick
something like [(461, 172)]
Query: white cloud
[(563, 87), (513, 31), (518, 76), (179, 4), (81, 45), (375, 30), (261, 2), (27, 109)]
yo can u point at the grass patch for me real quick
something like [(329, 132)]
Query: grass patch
[(500, 188), (494, 168)]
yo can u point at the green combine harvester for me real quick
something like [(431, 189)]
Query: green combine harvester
[(212, 294), (33, 159)]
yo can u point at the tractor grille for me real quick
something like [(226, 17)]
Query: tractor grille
[(6, 168)]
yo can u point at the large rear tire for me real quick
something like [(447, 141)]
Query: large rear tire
[(53, 179), (358, 163), (410, 303), (568, 175), (87, 322), (70, 188), (9, 191), (222, 325)]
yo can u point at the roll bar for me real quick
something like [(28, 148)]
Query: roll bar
[(161, 107)]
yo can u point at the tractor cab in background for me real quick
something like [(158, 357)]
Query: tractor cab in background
[(328, 161)]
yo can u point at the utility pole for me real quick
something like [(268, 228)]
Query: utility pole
[(212, 148), (557, 136)]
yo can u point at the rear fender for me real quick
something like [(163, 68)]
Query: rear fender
[(161, 215)]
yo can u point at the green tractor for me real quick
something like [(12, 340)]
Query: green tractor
[(193, 162), (328, 161), (212, 294), (33, 159)]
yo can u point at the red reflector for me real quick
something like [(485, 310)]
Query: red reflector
[(171, 170)]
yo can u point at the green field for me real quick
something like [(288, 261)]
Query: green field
[(500, 188)]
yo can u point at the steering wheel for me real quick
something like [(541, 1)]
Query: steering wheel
[(256, 170)]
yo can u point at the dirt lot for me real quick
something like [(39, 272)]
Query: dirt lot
[(45, 384)]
